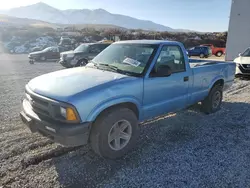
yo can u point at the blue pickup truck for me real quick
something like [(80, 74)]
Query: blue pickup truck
[(127, 83)]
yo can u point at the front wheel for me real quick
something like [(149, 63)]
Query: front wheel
[(212, 102), (202, 55), (81, 63), (114, 133)]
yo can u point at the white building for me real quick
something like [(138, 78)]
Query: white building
[(239, 29)]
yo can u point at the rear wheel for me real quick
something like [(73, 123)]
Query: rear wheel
[(202, 55), (114, 133), (212, 102), (219, 54)]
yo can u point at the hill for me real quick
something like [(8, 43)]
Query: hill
[(46, 13)]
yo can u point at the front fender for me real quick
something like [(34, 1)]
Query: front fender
[(111, 102)]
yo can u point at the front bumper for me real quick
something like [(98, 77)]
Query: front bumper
[(68, 63), (33, 58), (69, 135), (242, 70)]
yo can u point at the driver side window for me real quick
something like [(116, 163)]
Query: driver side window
[(171, 56), (95, 49), (54, 50)]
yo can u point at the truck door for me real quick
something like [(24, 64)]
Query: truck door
[(165, 94)]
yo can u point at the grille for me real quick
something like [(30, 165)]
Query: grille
[(39, 106), (246, 66), (244, 70)]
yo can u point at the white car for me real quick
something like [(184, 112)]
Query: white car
[(243, 63)]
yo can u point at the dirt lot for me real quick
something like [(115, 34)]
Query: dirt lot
[(186, 149)]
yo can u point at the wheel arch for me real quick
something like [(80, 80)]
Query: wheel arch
[(218, 52), (82, 59), (129, 103), (217, 81)]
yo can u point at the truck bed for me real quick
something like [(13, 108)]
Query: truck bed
[(206, 72), (197, 62)]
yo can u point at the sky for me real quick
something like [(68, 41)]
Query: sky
[(198, 15)]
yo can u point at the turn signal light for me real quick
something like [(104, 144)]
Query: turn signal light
[(70, 114)]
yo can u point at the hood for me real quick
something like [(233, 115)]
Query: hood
[(37, 52), (62, 85), (242, 60), (68, 52)]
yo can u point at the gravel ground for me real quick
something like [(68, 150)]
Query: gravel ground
[(184, 149)]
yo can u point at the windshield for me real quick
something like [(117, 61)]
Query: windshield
[(47, 49), (129, 58), (82, 48), (246, 53)]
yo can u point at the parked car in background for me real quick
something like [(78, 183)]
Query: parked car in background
[(50, 53), (36, 49), (216, 50), (82, 54), (129, 82), (243, 63), (201, 51)]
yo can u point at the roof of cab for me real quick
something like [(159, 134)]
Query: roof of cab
[(147, 42)]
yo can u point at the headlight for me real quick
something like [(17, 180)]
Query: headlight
[(68, 113), (63, 112)]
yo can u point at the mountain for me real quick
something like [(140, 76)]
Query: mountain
[(14, 21), (44, 12), (39, 11)]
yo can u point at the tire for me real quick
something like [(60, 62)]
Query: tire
[(82, 63), (212, 103), (219, 54), (202, 55), (43, 58), (100, 141)]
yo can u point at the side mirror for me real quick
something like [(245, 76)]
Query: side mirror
[(240, 54), (163, 71)]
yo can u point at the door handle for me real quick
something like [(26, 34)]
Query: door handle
[(186, 78)]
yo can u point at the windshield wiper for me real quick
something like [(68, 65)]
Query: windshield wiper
[(112, 68), (108, 66)]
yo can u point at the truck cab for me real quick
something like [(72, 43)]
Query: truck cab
[(102, 103)]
